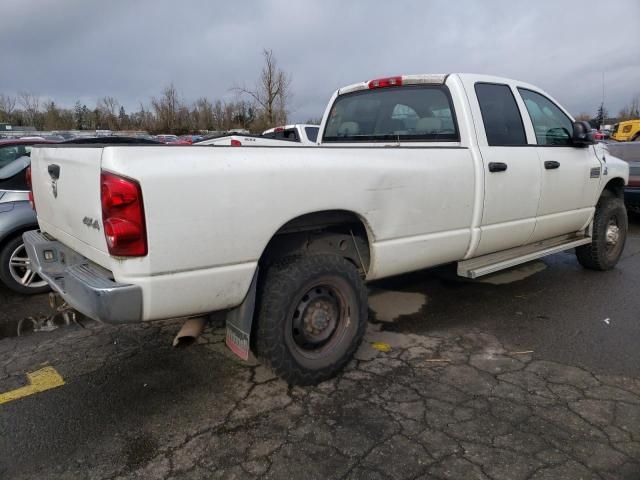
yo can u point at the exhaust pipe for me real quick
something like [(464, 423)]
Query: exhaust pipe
[(190, 331)]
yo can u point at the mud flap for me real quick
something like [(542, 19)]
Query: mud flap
[(239, 321)]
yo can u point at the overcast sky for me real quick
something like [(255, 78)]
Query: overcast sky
[(83, 49)]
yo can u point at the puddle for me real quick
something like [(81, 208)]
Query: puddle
[(514, 274), (389, 305)]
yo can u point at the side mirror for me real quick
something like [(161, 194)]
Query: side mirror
[(582, 135)]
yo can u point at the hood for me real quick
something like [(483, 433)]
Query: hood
[(614, 166)]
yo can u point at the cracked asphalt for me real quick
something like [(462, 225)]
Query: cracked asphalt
[(529, 374)]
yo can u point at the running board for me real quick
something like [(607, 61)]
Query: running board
[(476, 267)]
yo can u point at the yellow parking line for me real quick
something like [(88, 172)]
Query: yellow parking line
[(44, 379)]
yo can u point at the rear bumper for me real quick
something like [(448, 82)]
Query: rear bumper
[(83, 285)]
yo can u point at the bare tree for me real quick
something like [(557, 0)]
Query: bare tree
[(108, 107), (166, 108), (7, 106), (631, 111), (272, 91), (31, 105), (203, 114)]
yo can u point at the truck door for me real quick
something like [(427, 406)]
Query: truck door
[(571, 176), (511, 169)]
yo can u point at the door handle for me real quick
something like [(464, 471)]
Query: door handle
[(551, 164), (497, 166)]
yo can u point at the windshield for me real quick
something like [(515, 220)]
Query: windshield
[(409, 113)]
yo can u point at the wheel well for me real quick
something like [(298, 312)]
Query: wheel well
[(15, 233), (615, 186), (334, 231)]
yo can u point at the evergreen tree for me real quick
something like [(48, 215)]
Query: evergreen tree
[(122, 119), (78, 116), (600, 115)]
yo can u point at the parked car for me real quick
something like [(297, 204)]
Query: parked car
[(628, 130), (16, 217), (166, 138), (187, 140), (182, 140), (632, 190), (54, 138), (411, 172), (288, 135)]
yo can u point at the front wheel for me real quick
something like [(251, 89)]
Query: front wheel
[(16, 272), (312, 315), (609, 235)]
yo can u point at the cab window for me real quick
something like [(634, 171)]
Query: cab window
[(312, 133), (408, 113), (500, 115), (551, 125)]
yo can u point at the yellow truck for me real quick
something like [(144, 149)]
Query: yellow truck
[(628, 130)]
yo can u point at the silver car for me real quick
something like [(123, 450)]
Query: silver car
[(16, 217)]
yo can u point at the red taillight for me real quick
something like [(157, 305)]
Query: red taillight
[(123, 216), (236, 143), (27, 177), (278, 129), (385, 82)]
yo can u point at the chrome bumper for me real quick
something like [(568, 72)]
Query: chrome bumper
[(83, 285)]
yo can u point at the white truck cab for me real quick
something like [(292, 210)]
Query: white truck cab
[(406, 173)]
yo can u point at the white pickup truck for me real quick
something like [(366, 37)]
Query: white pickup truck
[(286, 136), (409, 172)]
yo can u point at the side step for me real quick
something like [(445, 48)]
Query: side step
[(476, 267)]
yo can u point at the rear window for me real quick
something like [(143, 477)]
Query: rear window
[(312, 133), (10, 153), (409, 113), (290, 134), (12, 170)]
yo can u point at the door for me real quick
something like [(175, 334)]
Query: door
[(570, 177), (511, 170)]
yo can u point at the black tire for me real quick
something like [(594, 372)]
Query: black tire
[(6, 276), (603, 253), (296, 291), (636, 138)]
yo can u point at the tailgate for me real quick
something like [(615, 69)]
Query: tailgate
[(68, 206)]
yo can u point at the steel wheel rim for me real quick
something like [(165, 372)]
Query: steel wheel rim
[(20, 269), (612, 233), (318, 319)]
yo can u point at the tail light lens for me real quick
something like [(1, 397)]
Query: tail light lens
[(123, 216), (385, 82), (236, 143), (27, 177)]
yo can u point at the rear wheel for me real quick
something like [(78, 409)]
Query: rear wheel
[(609, 235), (312, 315), (15, 269)]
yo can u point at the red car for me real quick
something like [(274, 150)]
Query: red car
[(183, 140)]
